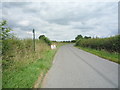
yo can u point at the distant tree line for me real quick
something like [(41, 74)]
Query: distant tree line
[(77, 38), (81, 37)]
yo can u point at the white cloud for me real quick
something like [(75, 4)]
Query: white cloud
[(24, 23), (28, 32), (60, 0), (62, 20)]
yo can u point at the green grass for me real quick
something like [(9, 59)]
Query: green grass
[(26, 76), (102, 53)]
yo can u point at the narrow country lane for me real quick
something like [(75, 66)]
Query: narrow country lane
[(75, 68)]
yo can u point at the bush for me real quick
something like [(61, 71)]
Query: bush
[(110, 44), (12, 48), (42, 37)]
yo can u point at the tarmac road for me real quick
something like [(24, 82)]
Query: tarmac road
[(75, 68)]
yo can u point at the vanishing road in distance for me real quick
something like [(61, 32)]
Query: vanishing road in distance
[(75, 68)]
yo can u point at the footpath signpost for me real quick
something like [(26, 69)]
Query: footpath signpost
[(33, 39)]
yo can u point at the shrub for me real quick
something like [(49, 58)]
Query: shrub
[(78, 37), (110, 44), (42, 37)]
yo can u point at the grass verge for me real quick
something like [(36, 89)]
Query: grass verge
[(102, 53), (26, 74)]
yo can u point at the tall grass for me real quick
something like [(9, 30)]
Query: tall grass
[(21, 65), (19, 51)]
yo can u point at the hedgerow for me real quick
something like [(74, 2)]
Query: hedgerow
[(110, 44)]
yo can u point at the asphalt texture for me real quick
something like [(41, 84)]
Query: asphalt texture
[(75, 68)]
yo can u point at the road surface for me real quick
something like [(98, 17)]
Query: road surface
[(75, 68)]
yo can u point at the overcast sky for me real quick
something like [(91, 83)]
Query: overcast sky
[(61, 20)]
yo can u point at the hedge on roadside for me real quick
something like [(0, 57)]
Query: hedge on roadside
[(110, 44)]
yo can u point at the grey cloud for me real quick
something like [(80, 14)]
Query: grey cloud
[(83, 28), (13, 24), (62, 21), (14, 4), (77, 14)]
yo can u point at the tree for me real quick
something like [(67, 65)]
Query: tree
[(78, 37), (86, 37), (45, 39), (41, 36), (5, 30), (73, 41)]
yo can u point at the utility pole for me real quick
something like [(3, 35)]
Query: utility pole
[(33, 39)]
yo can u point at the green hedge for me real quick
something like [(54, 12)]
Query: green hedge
[(110, 44)]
